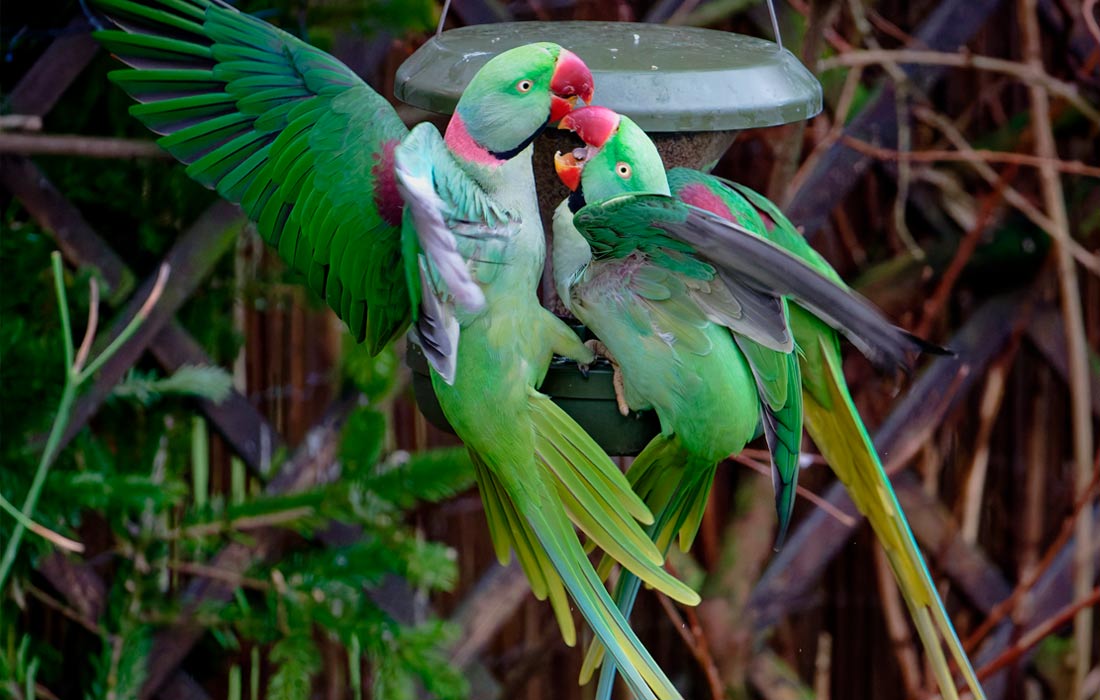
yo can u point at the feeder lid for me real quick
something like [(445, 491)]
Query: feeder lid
[(664, 78)]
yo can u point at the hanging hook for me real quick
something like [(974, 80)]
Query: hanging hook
[(447, 6), (771, 11)]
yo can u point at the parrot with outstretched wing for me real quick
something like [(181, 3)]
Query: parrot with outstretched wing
[(392, 226), (624, 206)]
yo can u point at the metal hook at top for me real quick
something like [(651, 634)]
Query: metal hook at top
[(447, 6), (771, 12)]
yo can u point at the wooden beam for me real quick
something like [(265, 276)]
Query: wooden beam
[(51, 75)]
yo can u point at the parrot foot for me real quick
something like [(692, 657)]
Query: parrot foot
[(616, 377)]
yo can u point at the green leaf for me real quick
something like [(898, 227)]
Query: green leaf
[(363, 438), (374, 376), (296, 659), (122, 663), (406, 479), (205, 382)]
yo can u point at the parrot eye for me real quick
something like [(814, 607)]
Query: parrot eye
[(622, 170), (524, 85)]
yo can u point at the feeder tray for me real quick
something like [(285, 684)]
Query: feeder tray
[(691, 89)]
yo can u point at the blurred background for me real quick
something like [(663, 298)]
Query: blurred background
[(241, 503)]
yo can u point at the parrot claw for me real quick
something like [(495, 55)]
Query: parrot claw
[(616, 377)]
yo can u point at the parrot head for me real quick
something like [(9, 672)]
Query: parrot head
[(617, 158), (517, 93)]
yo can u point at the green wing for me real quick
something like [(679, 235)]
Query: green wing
[(751, 267), (286, 131), (778, 375), (778, 380), (632, 225)]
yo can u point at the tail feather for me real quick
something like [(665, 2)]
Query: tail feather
[(509, 532), (598, 498), (545, 542), (838, 432), (676, 488)]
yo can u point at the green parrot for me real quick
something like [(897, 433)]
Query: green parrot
[(710, 229), (670, 324), (393, 227)]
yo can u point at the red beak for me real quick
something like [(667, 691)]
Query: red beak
[(571, 79), (595, 125), (568, 169)]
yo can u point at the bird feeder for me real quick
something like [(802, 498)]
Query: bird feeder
[(691, 89)]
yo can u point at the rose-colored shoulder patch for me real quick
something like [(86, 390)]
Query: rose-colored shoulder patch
[(386, 197), (699, 195), (769, 222)]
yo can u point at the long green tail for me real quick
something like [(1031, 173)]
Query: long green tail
[(834, 425), (525, 514), (779, 384), (676, 488)]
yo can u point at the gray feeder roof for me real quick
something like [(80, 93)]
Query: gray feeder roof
[(664, 78)]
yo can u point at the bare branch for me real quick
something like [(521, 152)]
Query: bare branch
[(79, 146), (1026, 73), (1076, 345), (89, 330)]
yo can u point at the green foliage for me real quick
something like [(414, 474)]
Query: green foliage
[(120, 668), (414, 654), (138, 487), (126, 488), (296, 659), (322, 589), (211, 383)]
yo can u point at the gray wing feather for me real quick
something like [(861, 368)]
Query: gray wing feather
[(436, 239), (758, 264), (436, 327)]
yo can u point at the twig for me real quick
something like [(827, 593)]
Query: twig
[(71, 613), (691, 634), (93, 321), (835, 40), (1038, 634), (838, 515), (1012, 196), (133, 325), (967, 246), (58, 540), (840, 118), (234, 578), (74, 378), (79, 146), (1036, 447), (21, 122), (1073, 167), (990, 407), (1028, 73), (1008, 605), (248, 522), (902, 88), (887, 27), (1088, 11), (823, 666), (1076, 345)]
